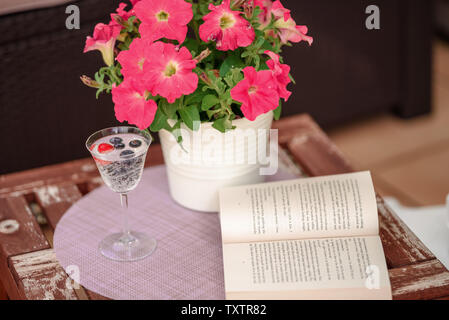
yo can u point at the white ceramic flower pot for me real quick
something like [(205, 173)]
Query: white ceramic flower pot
[(212, 160)]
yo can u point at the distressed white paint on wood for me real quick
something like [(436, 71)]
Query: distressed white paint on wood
[(20, 190), (395, 233), (78, 171), (9, 226), (41, 276), (90, 167), (50, 195), (28, 237), (55, 200), (427, 280)]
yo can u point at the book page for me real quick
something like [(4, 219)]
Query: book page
[(330, 268), (322, 207)]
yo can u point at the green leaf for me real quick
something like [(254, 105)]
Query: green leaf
[(191, 117), (267, 46), (204, 7), (220, 125), (259, 42), (264, 66), (170, 109), (211, 113), (233, 61), (277, 112), (227, 97), (196, 97), (209, 101), (291, 78), (176, 132), (259, 33), (223, 124), (234, 77), (159, 122), (257, 61), (131, 24), (257, 11), (99, 77)]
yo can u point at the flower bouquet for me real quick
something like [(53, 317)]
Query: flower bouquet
[(180, 64)]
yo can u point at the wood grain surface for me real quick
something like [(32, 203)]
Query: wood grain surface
[(40, 277)]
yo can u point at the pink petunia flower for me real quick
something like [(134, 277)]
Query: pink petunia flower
[(133, 60), (131, 104), (103, 39), (170, 74), (279, 11), (265, 6), (257, 92), (302, 35), (285, 26), (122, 13), (280, 74), (164, 19), (226, 27)]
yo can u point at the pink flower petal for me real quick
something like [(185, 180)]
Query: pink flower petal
[(257, 92), (133, 60), (178, 14), (103, 39), (280, 74), (132, 106), (170, 74), (286, 28), (234, 32)]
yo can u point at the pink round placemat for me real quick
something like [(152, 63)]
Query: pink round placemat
[(187, 263)]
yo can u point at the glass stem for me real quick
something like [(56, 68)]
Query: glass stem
[(126, 232)]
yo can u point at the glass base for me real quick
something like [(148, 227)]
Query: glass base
[(134, 246)]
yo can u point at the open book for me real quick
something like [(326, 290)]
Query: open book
[(312, 238)]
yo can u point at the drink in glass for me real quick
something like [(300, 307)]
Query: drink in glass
[(120, 154)]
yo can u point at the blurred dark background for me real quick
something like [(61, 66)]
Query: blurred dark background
[(349, 72)]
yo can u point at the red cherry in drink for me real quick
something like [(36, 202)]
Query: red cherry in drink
[(101, 162), (105, 148)]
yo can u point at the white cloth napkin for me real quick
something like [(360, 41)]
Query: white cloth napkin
[(429, 224)]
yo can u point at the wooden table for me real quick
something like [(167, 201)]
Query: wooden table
[(35, 200)]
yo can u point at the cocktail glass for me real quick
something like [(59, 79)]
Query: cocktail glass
[(120, 154)]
